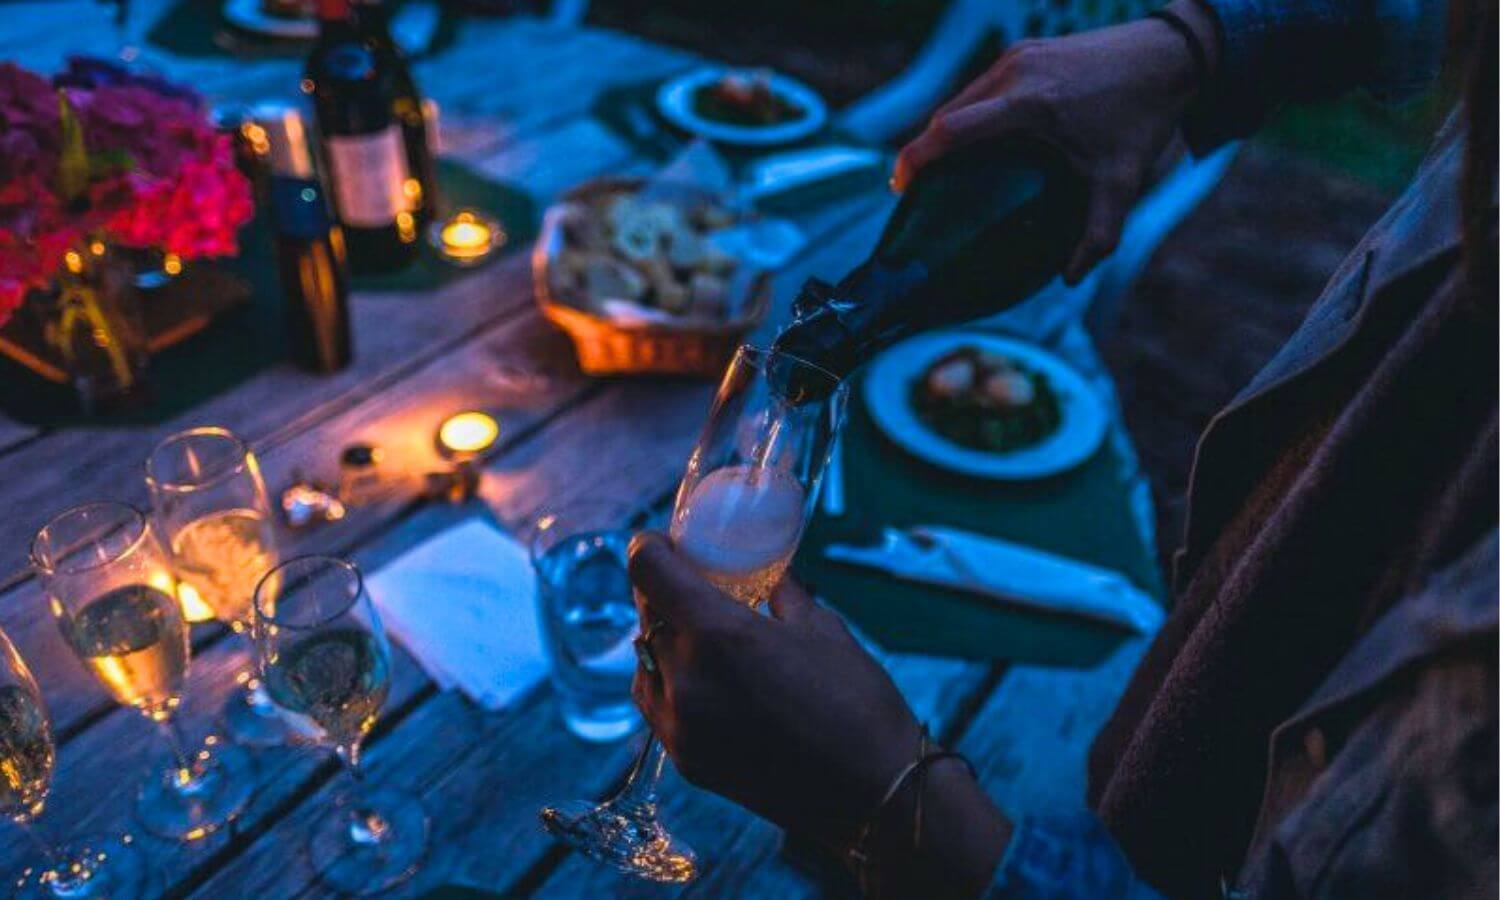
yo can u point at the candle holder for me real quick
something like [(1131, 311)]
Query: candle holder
[(461, 439), (466, 238)]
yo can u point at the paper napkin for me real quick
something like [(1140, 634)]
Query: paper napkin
[(463, 603)]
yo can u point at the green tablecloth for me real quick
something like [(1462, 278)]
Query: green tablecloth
[(1085, 514)]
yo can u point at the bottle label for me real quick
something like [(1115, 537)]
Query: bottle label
[(369, 175)]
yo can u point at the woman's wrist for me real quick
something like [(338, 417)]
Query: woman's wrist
[(954, 848)]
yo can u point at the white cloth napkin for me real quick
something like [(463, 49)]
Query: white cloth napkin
[(463, 602), (1013, 573)]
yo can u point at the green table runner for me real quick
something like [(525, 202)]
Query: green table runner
[(1084, 514)]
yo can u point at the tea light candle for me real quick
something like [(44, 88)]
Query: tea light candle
[(466, 238), (467, 434)]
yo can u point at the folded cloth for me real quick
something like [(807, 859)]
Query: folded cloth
[(463, 603), (1007, 571)]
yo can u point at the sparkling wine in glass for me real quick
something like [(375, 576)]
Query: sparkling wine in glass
[(97, 867), (743, 503), (114, 596), (209, 504), (325, 660)]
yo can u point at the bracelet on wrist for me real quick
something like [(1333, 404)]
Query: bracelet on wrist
[(915, 772), (1190, 37)]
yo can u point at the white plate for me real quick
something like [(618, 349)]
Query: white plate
[(675, 101), (249, 15), (888, 385)]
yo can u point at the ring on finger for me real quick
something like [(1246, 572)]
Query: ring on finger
[(643, 650)]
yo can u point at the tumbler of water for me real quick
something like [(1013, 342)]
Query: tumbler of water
[(587, 616)]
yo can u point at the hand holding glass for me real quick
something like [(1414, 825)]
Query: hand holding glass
[(741, 508)]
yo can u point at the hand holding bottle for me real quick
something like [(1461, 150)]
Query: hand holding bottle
[(1110, 101)]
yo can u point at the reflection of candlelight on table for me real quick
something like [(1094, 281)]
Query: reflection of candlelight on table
[(467, 237)]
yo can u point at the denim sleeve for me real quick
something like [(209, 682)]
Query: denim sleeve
[(1277, 50), (1072, 858)]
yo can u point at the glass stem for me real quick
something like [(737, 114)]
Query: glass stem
[(638, 794), (185, 776), (366, 825)]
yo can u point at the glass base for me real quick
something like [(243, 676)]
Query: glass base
[(371, 843), (252, 720), (630, 839), (600, 724), (106, 868), (214, 798)]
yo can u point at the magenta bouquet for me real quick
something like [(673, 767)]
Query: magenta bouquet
[(100, 156)]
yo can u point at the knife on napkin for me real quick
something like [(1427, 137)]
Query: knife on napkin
[(1013, 573)]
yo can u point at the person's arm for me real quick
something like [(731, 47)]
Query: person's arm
[(788, 716), (1272, 51), (1113, 99)]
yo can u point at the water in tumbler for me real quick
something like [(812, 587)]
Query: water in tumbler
[(588, 622)]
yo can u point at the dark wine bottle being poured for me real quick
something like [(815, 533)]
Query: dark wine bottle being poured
[(976, 232)]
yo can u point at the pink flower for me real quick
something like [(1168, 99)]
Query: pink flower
[(159, 174)]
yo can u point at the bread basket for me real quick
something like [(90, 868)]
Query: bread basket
[(605, 346)]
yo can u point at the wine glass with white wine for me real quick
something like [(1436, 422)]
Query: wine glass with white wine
[(114, 597), (743, 503), (326, 662), (97, 867), (209, 505)]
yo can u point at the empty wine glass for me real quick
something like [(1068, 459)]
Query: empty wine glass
[(209, 505), (99, 867), (743, 503), (326, 662), (114, 597)]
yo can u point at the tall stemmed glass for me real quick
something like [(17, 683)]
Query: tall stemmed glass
[(747, 495), (101, 867), (325, 661), (114, 597), (210, 508)]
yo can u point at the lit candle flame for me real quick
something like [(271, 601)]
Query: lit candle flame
[(468, 433)]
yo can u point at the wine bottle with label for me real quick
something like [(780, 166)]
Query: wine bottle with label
[(976, 232), (360, 143), (374, 20)]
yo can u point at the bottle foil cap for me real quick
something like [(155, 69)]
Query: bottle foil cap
[(286, 135)]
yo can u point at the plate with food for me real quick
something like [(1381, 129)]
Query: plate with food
[(749, 107), (291, 19), (985, 405), (644, 278)]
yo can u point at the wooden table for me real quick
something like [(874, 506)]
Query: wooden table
[(515, 94)]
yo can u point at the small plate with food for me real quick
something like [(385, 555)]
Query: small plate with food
[(748, 107), (289, 19), (985, 405)]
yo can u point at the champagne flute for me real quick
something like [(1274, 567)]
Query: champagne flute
[(209, 505), (743, 503), (114, 597), (325, 660), (99, 867)]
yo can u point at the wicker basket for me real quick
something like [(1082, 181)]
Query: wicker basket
[(608, 347)]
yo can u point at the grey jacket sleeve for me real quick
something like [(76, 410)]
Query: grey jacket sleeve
[(1278, 50)]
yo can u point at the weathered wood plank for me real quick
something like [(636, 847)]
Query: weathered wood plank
[(1030, 740)]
